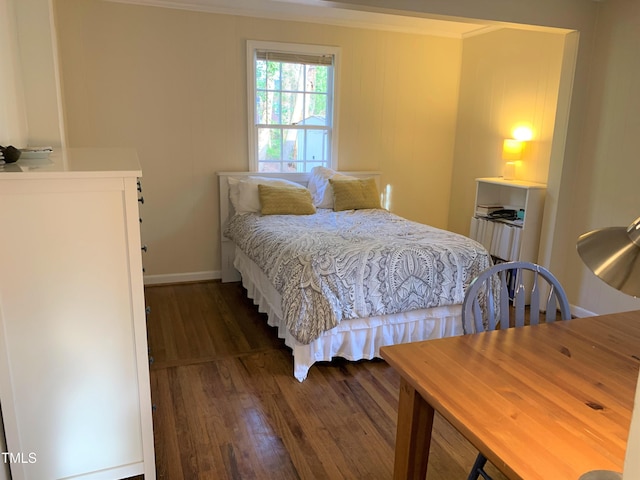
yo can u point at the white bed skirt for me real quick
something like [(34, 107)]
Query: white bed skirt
[(352, 339)]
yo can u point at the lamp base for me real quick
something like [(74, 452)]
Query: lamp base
[(509, 172), (601, 475)]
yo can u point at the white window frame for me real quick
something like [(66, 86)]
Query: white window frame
[(332, 107)]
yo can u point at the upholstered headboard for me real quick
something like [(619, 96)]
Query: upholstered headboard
[(227, 247)]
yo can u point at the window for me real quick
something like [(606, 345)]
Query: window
[(291, 106)]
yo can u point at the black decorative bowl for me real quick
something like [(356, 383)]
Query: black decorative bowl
[(11, 154)]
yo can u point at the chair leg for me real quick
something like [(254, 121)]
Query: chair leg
[(478, 469)]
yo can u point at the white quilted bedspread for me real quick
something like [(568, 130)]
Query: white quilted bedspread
[(332, 266)]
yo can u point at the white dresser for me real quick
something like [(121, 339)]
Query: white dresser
[(74, 371)]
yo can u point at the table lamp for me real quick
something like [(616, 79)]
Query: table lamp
[(511, 153), (513, 148), (613, 254)]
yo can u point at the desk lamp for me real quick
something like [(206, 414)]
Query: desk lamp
[(613, 254)]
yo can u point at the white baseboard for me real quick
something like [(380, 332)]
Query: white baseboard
[(181, 277), (580, 312)]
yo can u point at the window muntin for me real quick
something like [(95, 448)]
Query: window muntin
[(292, 106)]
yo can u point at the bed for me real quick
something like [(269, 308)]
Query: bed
[(340, 282)]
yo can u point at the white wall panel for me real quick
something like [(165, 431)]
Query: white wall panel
[(172, 84), (508, 77)]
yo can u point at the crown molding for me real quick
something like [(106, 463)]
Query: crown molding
[(313, 11)]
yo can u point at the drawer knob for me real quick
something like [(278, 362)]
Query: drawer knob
[(141, 200)]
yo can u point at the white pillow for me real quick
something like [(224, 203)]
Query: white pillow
[(243, 192), (234, 191), (319, 186)]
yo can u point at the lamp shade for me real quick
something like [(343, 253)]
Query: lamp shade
[(613, 254), (512, 149)]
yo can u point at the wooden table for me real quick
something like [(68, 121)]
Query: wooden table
[(543, 402)]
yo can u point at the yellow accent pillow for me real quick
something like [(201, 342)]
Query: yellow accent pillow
[(285, 200), (354, 194)]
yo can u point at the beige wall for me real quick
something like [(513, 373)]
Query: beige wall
[(509, 77), (13, 118), (40, 72), (593, 169), (171, 83), (30, 113), (602, 184), (581, 198)]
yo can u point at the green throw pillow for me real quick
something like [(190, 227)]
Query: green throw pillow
[(285, 200), (354, 194)]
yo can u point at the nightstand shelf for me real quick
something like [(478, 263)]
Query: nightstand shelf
[(509, 240)]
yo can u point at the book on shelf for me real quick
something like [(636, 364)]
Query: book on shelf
[(501, 239), (487, 209)]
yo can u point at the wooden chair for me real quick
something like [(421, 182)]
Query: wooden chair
[(502, 291)]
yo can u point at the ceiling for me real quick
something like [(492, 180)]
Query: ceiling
[(315, 11)]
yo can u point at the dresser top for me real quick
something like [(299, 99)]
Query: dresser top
[(512, 183), (76, 162)]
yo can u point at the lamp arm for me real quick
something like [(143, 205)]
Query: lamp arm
[(633, 231)]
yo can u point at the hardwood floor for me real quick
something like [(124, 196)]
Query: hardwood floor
[(228, 407)]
